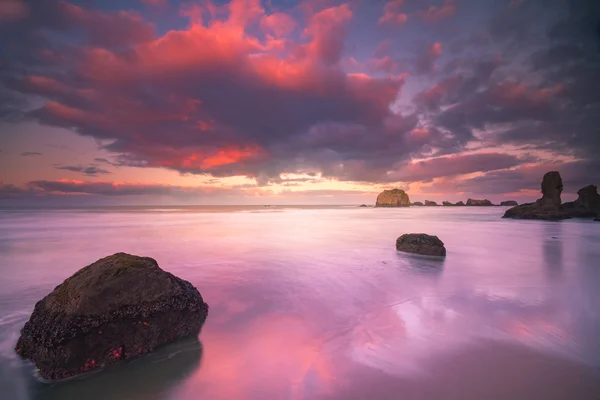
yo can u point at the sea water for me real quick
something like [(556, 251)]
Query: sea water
[(316, 303)]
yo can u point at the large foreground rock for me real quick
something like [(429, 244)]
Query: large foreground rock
[(546, 208), (393, 198), (116, 308), (421, 243)]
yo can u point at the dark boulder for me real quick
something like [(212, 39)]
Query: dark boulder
[(417, 203), (473, 202), (363, 205), (430, 203), (393, 198), (548, 207), (447, 204), (460, 203), (509, 203), (421, 243), (116, 308), (586, 205)]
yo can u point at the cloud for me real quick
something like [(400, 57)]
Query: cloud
[(117, 189), (439, 13), (429, 169), (13, 10), (425, 63), (392, 15), (30, 153), (155, 2), (89, 170)]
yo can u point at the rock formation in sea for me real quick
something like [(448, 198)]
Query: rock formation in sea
[(119, 307), (363, 205), (417, 203), (460, 203), (509, 203), (447, 203), (421, 243), (586, 205), (473, 202), (393, 198), (548, 207), (430, 203)]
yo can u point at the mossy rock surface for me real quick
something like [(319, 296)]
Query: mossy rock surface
[(116, 308)]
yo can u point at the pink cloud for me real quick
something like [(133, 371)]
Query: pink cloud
[(13, 10), (279, 24), (436, 14), (392, 15)]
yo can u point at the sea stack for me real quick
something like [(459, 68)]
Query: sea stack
[(421, 243), (473, 202), (509, 203), (586, 205), (429, 203), (116, 308), (546, 208), (393, 198)]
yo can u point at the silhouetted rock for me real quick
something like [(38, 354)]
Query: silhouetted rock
[(509, 203), (417, 203), (363, 205), (430, 203), (586, 205), (546, 208), (473, 202), (421, 243), (393, 198), (447, 204), (597, 219), (116, 308), (460, 203)]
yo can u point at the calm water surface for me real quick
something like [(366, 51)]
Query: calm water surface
[(315, 303)]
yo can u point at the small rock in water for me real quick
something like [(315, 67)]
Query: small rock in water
[(421, 243), (114, 309)]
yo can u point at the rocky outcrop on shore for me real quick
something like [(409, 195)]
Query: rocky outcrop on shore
[(421, 243), (473, 202), (447, 203), (460, 204), (418, 203), (548, 207), (116, 308), (586, 205), (509, 203), (393, 198), (429, 203)]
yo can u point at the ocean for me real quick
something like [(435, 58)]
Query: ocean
[(316, 303)]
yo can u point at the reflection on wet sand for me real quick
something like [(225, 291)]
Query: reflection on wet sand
[(147, 378)]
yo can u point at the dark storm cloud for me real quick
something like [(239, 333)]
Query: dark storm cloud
[(89, 170)]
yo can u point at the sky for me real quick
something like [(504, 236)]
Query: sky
[(295, 101)]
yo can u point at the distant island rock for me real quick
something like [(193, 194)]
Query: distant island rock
[(460, 203), (418, 203), (484, 203), (116, 308), (447, 203), (430, 203), (363, 205), (546, 208), (421, 243), (509, 203), (393, 198)]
